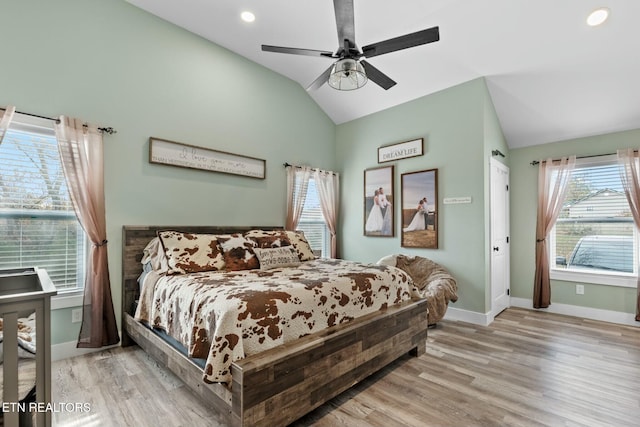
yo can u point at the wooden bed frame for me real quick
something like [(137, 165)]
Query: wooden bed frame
[(278, 386)]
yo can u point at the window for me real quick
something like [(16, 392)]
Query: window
[(312, 222), (594, 239), (37, 221)]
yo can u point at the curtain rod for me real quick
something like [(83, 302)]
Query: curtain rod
[(537, 162), (286, 165), (108, 130)]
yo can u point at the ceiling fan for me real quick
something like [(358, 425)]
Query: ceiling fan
[(351, 71)]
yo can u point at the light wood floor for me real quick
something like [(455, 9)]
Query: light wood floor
[(526, 369)]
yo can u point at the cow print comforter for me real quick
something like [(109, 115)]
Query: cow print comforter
[(226, 316)]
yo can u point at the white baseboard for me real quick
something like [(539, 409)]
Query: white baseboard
[(68, 349), (578, 311), (485, 319), (474, 317)]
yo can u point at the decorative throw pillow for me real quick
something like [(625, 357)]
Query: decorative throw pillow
[(269, 238), (153, 255), (238, 252), (299, 242), (277, 257), (191, 253)]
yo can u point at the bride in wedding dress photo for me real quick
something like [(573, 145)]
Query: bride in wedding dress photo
[(418, 222), (385, 206), (375, 220), (378, 218)]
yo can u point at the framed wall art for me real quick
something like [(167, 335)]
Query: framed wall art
[(378, 202), (419, 215), (173, 153)]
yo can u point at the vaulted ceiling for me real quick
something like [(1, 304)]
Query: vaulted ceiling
[(551, 76)]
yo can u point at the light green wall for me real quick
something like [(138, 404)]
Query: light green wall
[(523, 222), (125, 68), (453, 123), (110, 63)]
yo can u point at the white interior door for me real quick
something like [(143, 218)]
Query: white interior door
[(500, 276)]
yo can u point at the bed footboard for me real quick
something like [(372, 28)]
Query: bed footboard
[(278, 386)]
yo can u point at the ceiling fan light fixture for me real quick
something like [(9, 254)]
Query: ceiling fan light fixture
[(347, 74)]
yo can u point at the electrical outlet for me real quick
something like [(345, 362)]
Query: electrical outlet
[(76, 315), (580, 289)]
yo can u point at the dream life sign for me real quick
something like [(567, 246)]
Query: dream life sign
[(401, 150)]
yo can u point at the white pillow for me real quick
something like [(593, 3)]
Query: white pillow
[(269, 258), (388, 260), (154, 254)]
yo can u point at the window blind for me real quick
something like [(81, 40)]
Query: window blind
[(37, 221), (312, 221), (595, 230)]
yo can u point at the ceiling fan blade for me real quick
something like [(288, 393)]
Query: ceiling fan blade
[(296, 51), (403, 42), (377, 76), (322, 79), (344, 22)]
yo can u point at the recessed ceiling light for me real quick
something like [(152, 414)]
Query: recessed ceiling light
[(598, 16), (248, 16)]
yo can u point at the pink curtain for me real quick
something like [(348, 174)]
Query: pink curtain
[(297, 184), (553, 180), (6, 116), (328, 185), (630, 176), (81, 152)]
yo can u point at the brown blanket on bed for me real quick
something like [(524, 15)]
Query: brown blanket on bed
[(433, 281), (225, 316)]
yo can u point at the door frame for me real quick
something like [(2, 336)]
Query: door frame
[(494, 311)]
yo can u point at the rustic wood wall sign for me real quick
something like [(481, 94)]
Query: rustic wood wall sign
[(401, 150), (173, 153)]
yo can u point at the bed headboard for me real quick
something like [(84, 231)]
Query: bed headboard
[(136, 237)]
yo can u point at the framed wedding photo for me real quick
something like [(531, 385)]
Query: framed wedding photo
[(419, 213), (378, 202)]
